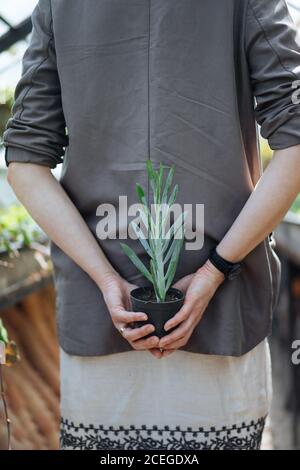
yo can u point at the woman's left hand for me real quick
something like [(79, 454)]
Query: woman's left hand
[(199, 288)]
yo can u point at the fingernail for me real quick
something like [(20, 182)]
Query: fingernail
[(168, 327), (144, 317)]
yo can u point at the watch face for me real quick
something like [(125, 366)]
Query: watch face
[(235, 271)]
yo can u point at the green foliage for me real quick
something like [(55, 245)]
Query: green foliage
[(296, 205), (17, 228), (164, 239), (3, 333)]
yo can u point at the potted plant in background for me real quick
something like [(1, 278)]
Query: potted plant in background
[(163, 246)]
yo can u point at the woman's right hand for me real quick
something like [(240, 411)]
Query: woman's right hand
[(116, 294)]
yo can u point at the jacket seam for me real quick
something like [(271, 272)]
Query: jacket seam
[(34, 72), (268, 40)]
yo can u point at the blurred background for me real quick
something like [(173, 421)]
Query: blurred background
[(30, 375)]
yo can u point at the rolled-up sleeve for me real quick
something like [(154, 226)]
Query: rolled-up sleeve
[(273, 53), (36, 131)]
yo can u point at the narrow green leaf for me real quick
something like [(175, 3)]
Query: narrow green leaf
[(161, 280), (3, 333), (174, 228), (170, 251), (173, 195), (159, 182), (152, 176), (146, 219), (141, 194), (141, 238), (168, 184), (173, 263), (26, 238), (150, 170), (136, 261), (154, 283)]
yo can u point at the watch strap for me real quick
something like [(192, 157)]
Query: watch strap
[(226, 267)]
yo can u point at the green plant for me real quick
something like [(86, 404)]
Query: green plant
[(164, 239), (17, 228)]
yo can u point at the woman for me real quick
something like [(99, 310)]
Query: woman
[(105, 85)]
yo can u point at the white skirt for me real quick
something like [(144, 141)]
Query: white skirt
[(132, 400)]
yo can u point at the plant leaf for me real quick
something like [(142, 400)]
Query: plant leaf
[(147, 220), (168, 184), (142, 240), (152, 175), (170, 251), (136, 261), (172, 232), (161, 280), (173, 263), (173, 195), (141, 194), (3, 333), (153, 273), (159, 182)]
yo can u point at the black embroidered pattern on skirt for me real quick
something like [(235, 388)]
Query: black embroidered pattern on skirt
[(237, 437)]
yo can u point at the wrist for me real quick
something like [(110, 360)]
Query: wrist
[(214, 274), (230, 257), (228, 268), (104, 277)]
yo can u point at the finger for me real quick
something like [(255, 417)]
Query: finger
[(156, 353), (148, 343), (176, 344), (132, 286), (133, 334), (180, 316), (167, 352), (178, 333), (124, 316)]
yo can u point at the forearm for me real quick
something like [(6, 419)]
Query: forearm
[(52, 209), (266, 206)]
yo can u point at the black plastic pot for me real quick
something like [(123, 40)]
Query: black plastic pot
[(158, 312)]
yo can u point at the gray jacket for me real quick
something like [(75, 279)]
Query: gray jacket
[(105, 84)]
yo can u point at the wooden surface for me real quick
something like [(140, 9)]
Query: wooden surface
[(32, 385), (23, 274)]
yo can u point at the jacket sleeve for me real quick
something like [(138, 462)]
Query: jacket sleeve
[(36, 130), (273, 53)]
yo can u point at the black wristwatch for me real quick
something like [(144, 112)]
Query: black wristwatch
[(230, 270)]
